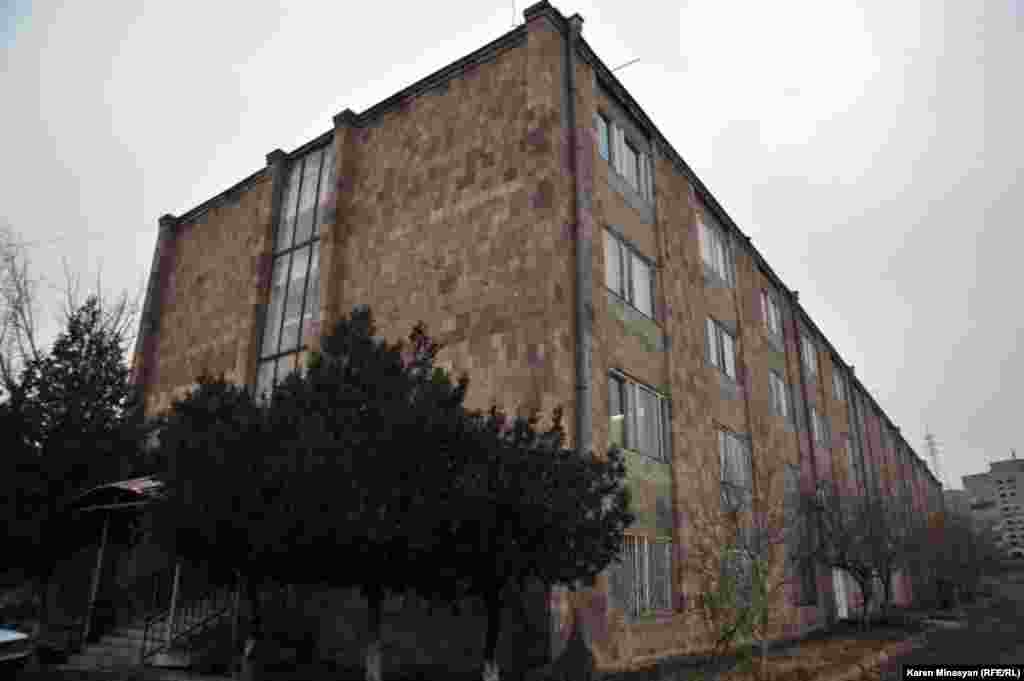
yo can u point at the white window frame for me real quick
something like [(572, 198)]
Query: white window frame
[(637, 552), (772, 313), (779, 392), (638, 174), (735, 466), (851, 460), (809, 355), (720, 342), (628, 259), (715, 250), (838, 384), (629, 395), (818, 426), (603, 128)]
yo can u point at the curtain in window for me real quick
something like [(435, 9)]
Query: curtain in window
[(612, 263), (648, 423), (728, 355), (620, 149), (642, 286), (616, 412), (601, 127)]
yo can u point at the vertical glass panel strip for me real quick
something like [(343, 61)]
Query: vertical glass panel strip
[(265, 380), (311, 308), (293, 300), (277, 292), (307, 197), (289, 197), (327, 179)]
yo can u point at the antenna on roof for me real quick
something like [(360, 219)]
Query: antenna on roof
[(625, 65)]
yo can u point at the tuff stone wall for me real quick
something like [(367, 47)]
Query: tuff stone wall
[(208, 293), (455, 207), (453, 211)]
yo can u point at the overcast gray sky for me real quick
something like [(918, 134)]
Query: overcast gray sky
[(871, 149)]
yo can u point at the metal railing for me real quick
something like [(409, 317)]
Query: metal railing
[(193, 606)]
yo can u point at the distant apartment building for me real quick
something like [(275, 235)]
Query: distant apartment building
[(524, 205), (958, 503), (997, 503)]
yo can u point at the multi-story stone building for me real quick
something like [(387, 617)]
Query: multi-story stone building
[(997, 503), (525, 206)]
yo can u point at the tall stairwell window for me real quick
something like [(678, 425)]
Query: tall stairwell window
[(294, 310)]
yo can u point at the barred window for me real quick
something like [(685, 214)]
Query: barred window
[(642, 581)]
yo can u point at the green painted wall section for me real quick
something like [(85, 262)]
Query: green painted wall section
[(650, 484), (637, 324)]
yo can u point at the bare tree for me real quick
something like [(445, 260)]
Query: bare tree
[(867, 536), (20, 306), (742, 545)]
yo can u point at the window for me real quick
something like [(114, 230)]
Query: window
[(809, 355), (779, 394), (714, 249), (602, 128), (851, 460), (735, 466), (772, 313), (642, 581), (818, 426), (838, 385), (628, 274), (638, 418), (632, 164), (628, 167), (294, 305), (721, 348)]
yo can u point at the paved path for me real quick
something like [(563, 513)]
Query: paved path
[(992, 634)]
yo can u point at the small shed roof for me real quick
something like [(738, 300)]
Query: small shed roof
[(121, 494)]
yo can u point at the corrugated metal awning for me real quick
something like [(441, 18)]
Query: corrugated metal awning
[(121, 494)]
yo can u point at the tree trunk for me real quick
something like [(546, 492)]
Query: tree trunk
[(254, 637), (374, 601), (40, 587), (866, 593), (494, 606)]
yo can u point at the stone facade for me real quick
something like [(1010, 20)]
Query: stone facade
[(462, 201)]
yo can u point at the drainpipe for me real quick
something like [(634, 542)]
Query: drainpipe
[(584, 244)]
